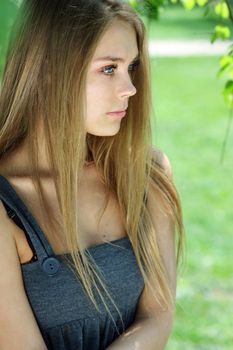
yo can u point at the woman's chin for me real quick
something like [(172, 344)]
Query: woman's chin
[(107, 132)]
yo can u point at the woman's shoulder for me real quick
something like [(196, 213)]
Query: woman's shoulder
[(12, 293), (162, 160)]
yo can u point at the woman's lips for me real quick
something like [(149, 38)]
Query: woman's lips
[(117, 114)]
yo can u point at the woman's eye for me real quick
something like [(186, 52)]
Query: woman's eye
[(109, 70), (133, 66)]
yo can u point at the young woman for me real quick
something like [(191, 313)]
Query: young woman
[(88, 208)]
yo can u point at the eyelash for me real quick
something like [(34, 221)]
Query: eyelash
[(114, 66)]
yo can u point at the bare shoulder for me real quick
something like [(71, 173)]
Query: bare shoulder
[(162, 159), (6, 228), (156, 199), (16, 316)]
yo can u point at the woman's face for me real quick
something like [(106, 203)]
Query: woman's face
[(109, 84)]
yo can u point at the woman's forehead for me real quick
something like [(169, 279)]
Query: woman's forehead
[(118, 41)]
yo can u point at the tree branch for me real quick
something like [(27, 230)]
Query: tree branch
[(230, 9)]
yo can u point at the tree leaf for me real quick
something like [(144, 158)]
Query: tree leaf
[(221, 9), (201, 2), (188, 4)]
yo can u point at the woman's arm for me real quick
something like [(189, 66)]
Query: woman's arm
[(18, 327), (152, 326), (148, 334)]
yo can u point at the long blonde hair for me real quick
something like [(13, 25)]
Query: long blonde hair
[(51, 46)]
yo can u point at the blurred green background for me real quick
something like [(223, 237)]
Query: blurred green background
[(190, 121), (8, 11)]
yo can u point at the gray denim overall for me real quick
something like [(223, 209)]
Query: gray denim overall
[(66, 317)]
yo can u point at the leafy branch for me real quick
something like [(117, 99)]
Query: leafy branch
[(224, 10)]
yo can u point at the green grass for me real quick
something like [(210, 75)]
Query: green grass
[(175, 22), (190, 124)]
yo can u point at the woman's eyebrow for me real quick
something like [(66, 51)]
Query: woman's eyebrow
[(115, 59)]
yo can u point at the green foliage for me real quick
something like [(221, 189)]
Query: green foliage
[(222, 8), (148, 8), (189, 4), (222, 32), (8, 11), (226, 63), (201, 2)]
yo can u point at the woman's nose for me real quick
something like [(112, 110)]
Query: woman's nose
[(127, 88)]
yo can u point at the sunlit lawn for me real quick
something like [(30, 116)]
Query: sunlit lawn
[(191, 120)]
